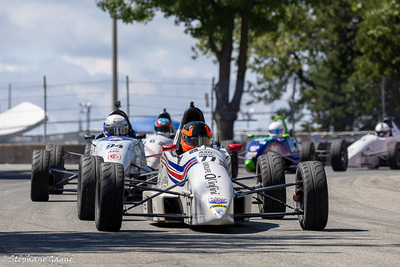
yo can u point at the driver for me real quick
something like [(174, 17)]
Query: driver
[(195, 134), (276, 129), (382, 129), (116, 125), (163, 126)]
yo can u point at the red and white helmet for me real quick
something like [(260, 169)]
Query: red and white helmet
[(162, 126)]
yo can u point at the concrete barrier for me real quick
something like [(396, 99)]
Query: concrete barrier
[(22, 153)]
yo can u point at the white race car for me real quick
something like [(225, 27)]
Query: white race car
[(108, 162), (380, 149), (163, 135), (153, 148), (196, 187)]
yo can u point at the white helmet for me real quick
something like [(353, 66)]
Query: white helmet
[(276, 129), (382, 129), (116, 125)]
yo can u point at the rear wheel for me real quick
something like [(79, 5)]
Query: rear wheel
[(307, 151), (393, 155), (57, 162), (109, 197), (339, 158), (320, 152), (270, 171), (40, 175), (313, 192), (88, 173)]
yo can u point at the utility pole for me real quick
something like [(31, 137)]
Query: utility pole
[(9, 96), (127, 93), (114, 64), (86, 109), (212, 104), (293, 102), (45, 110), (383, 97)]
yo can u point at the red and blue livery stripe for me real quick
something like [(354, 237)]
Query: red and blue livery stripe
[(175, 172)]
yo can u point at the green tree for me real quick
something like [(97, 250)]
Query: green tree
[(223, 29), (379, 42), (318, 47)]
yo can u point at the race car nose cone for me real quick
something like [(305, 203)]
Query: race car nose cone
[(220, 211)]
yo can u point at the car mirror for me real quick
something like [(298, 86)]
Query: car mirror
[(235, 147), (140, 136), (169, 148), (89, 137)]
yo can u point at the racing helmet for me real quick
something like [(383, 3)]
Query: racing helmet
[(116, 125), (194, 134), (276, 129), (162, 126), (382, 129)]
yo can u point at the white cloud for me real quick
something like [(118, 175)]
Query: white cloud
[(91, 65), (13, 68)]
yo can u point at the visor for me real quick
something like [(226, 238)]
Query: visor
[(163, 129), (198, 141), (275, 131), (121, 130)]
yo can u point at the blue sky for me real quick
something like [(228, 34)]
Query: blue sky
[(70, 42)]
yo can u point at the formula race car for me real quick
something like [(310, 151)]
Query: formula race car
[(195, 187), (282, 143), (375, 150), (111, 154), (163, 135)]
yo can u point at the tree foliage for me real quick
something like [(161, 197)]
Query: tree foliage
[(223, 29), (339, 51)]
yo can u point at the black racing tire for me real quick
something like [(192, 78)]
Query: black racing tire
[(88, 173), (40, 175), (234, 157), (57, 162), (87, 149), (109, 197), (338, 154), (270, 171), (319, 146), (315, 202), (307, 151), (393, 155)]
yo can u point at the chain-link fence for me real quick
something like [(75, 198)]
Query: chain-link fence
[(82, 107)]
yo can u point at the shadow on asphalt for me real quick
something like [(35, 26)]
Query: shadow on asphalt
[(13, 175)]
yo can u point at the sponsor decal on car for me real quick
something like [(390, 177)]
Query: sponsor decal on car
[(212, 181), (254, 148), (109, 146), (114, 156), (217, 200), (216, 206)]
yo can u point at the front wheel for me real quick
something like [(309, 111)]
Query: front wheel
[(57, 162), (339, 157), (40, 175), (312, 195), (393, 155), (270, 171), (88, 173), (307, 151), (109, 197)]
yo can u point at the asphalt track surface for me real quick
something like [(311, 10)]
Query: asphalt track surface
[(363, 230)]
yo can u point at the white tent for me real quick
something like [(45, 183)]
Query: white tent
[(21, 118)]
